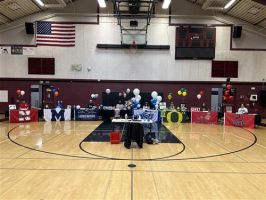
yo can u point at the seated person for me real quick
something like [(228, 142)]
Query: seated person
[(59, 104), (204, 108), (146, 106), (23, 105), (91, 104), (242, 109), (172, 106)]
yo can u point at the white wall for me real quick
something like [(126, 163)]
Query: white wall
[(131, 64)]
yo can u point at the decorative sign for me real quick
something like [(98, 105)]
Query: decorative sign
[(16, 50)]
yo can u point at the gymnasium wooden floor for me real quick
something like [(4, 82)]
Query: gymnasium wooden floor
[(45, 160)]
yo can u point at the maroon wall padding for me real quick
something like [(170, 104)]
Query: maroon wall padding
[(77, 92)]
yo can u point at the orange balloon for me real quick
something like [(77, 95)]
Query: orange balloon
[(56, 94)]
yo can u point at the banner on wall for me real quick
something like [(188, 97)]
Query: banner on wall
[(16, 50), (4, 50), (29, 51)]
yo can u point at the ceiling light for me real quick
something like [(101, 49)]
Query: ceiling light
[(102, 3), (39, 2), (166, 4), (229, 4)]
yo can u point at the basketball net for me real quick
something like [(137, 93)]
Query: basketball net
[(133, 47)]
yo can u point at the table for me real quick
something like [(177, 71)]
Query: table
[(239, 120), (57, 114), (86, 114), (204, 117), (30, 115), (135, 130)]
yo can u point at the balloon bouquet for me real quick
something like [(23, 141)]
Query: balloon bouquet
[(182, 91), (135, 101), (155, 99), (200, 94), (20, 94), (228, 94)]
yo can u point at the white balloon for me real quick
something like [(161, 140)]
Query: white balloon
[(133, 99), (92, 96), (96, 95), (136, 91), (22, 92), (154, 94), (198, 96), (128, 90), (108, 91), (78, 106), (159, 98), (138, 97)]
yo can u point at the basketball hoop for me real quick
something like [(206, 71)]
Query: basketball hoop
[(133, 47)]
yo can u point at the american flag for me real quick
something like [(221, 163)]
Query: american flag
[(55, 34)]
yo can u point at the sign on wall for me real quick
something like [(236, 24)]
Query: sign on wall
[(4, 50), (3, 95)]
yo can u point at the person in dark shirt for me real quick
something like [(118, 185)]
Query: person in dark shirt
[(91, 104)]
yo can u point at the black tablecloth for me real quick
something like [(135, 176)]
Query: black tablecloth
[(134, 132)]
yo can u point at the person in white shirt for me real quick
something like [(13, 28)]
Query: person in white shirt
[(242, 109)]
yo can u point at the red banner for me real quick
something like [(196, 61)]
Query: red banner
[(16, 116), (204, 117), (240, 120)]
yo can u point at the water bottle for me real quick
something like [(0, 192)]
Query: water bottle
[(125, 116)]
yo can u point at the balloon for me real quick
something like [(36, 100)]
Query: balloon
[(136, 91), (201, 93), (169, 97), (128, 90), (108, 91), (125, 95), (159, 99), (199, 96), (225, 98), (182, 89), (138, 106), (154, 94), (78, 106), (184, 94), (22, 92), (56, 94), (227, 93), (96, 95), (231, 98), (229, 87), (138, 97), (93, 96), (18, 92), (48, 90), (179, 92)]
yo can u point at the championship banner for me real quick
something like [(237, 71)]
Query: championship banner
[(148, 114), (84, 114), (204, 117), (57, 114), (16, 116), (240, 120)]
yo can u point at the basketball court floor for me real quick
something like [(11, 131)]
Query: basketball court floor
[(75, 160)]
